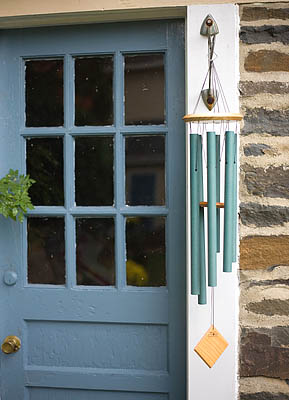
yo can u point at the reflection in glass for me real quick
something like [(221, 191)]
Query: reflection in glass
[(46, 250), (94, 171), (94, 91), (44, 93), (145, 170), (144, 89), (44, 164), (95, 263), (145, 251)]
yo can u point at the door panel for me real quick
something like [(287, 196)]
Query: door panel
[(94, 114), (102, 339)]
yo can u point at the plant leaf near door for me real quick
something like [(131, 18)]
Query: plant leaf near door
[(14, 196)]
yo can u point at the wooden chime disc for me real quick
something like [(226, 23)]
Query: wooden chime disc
[(205, 204), (213, 117), (211, 346)]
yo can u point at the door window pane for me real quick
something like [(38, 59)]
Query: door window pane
[(145, 251), (46, 250), (95, 263), (94, 91), (145, 170), (94, 171), (44, 162), (44, 93), (144, 89)]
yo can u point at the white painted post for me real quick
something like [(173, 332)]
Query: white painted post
[(220, 382)]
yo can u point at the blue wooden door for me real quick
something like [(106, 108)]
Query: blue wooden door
[(93, 282)]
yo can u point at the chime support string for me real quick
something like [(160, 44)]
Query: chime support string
[(200, 95), (213, 307), (211, 47), (216, 94), (209, 73), (218, 82)]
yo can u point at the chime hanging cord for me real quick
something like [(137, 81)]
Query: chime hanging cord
[(211, 52), (211, 46), (213, 307)]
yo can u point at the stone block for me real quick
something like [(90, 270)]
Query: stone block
[(259, 356), (261, 120), (263, 216), (265, 34), (266, 61), (262, 13), (256, 149), (262, 252), (271, 182), (250, 88), (271, 307)]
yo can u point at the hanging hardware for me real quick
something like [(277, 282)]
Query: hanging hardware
[(212, 153), (209, 26), (210, 29), (213, 142)]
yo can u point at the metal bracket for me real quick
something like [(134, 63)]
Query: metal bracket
[(209, 26), (210, 29)]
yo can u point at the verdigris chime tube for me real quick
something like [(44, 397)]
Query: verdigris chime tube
[(229, 201), (195, 215), (218, 189), (202, 298), (235, 194), (212, 215)]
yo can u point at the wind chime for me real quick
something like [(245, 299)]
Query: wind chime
[(213, 150)]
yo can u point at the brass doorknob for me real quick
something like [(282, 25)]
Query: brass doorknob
[(11, 344)]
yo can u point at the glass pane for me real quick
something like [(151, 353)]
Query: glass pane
[(95, 263), (94, 171), (94, 91), (145, 170), (44, 162), (145, 251), (144, 89), (44, 92), (46, 250)]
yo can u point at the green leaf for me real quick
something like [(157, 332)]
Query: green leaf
[(14, 195)]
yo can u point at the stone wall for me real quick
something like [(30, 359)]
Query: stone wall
[(264, 208)]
